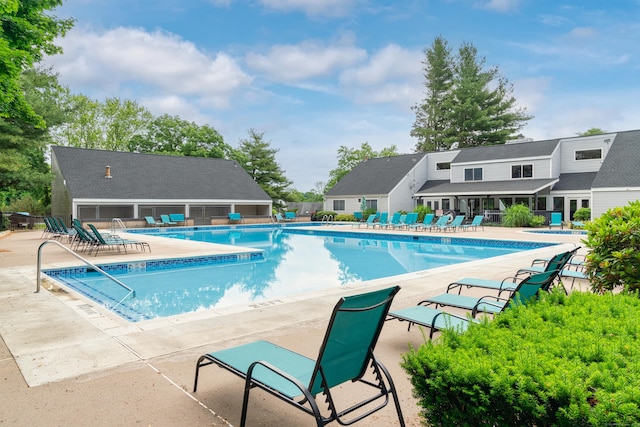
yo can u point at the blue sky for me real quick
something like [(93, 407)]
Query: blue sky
[(314, 75)]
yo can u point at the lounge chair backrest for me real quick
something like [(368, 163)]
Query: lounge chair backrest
[(457, 220), (290, 215), (235, 216), (442, 221), (350, 339), (371, 218), (279, 217), (428, 219), (531, 286), (557, 262), (412, 217), (176, 217), (384, 216), (556, 217), (97, 234), (82, 233), (358, 216), (150, 220), (477, 220), (395, 218)]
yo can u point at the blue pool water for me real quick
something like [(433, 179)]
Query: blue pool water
[(285, 262)]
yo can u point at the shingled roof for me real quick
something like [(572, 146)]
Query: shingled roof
[(376, 176), (149, 176), (507, 151), (620, 166)]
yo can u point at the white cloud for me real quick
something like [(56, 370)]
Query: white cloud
[(392, 75), (307, 60), (159, 60), (500, 5), (323, 8)]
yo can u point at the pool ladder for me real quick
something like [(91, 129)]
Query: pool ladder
[(131, 292), (118, 222), (327, 219)]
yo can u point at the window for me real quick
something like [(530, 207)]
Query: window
[(542, 204), (474, 174), (443, 166), (589, 154), (585, 203), (522, 171), (372, 204), (446, 204), (338, 205)]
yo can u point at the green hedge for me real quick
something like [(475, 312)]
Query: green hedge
[(562, 361)]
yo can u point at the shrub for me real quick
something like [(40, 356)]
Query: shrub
[(321, 214), (582, 214), (614, 242), (344, 217), (521, 216), (562, 361), (422, 211)]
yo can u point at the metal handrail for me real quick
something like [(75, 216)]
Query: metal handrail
[(118, 221), (95, 267), (328, 218)]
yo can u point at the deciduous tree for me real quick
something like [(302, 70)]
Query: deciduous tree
[(348, 158), (27, 33)]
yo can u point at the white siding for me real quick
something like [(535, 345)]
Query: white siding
[(433, 174), (568, 148), (605, 199)]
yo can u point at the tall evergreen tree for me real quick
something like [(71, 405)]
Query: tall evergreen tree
[(478, 114), (258, 158), (431, 125), (466, 104)]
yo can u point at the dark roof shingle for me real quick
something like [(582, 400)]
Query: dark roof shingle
[(150, 176), (376, 176)]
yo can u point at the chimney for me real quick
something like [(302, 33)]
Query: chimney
[(107, 173)]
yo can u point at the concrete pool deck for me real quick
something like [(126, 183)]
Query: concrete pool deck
[(65, 361)]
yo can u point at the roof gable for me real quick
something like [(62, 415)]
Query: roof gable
[(507, 151), (152, 176), (620, 166), (376, 176)]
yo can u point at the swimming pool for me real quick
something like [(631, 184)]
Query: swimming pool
[(284, 261)]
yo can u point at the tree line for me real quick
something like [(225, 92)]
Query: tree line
[(465, 104)]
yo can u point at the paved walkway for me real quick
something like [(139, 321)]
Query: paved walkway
[(64, 361)]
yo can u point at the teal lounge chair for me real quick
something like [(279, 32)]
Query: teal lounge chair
[(477, 222), (428, 317), (382, 221), (400, 223), (289, 216), (425, 224), (112, 240), (358, 216), (177, 218), (577, 224), (556, 220), (279, 217), (441, 224), (235, 217), (167, 221), (557, 263), (395, 218), (456, 223), (368, 223), (346, 355), (525, 290), (151, 222)]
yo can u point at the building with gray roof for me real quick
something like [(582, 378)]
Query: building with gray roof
[(102, 184), (565, 174)]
